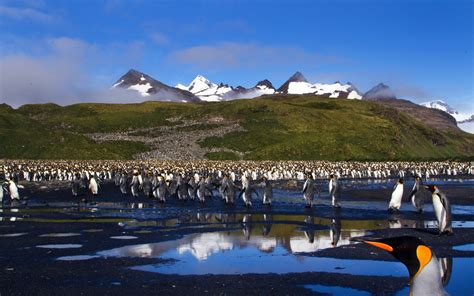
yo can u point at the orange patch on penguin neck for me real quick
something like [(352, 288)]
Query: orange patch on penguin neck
[(424, 255)]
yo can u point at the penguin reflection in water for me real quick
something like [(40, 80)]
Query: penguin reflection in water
[(397, 194), (421, 262), (442, 208), (309, 231)]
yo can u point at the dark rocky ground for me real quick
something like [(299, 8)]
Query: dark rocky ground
[(49, 208)]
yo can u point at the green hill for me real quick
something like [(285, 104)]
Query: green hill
[(274, 127)]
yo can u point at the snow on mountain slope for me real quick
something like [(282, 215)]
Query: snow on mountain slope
[(465, 121), (443, 106), (146, 86), (335, 90), (212, 92), (205, 89)]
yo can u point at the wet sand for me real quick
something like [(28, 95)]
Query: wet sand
[(30, 265)]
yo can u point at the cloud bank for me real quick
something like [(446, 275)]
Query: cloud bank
[(233, 55)]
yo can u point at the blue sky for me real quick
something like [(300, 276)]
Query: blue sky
[(67, 51)]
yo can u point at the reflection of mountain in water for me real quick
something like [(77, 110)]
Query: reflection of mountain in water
[(293, 233)]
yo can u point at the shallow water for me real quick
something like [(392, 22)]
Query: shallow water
[(336, 291), (227, 242)]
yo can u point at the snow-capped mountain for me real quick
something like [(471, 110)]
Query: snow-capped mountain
[(206, 90), (146, 86), (380, 91), (465, 121), (212, 92), (297, 84), (441, 105)]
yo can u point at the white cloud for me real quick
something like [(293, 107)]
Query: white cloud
[(160, 38), (231, 55), (61, 73), (26, 13)]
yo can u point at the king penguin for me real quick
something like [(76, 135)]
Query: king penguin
[(416, 195), (421, 262), (93, 186), (13, 189), (442, 208), (334, 191), (397, 194)]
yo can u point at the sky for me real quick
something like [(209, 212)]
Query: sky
[(73, 51)]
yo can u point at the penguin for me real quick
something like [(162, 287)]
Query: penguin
[(308, 191), (397, 194), (267, 191), (13, 189), (76, 185), (334, 191), (419, 259), (246, 192), (416, 195), (1, 191), (229, 191), (135, 184), (222, 186), (192, 188), (442, 208), (161, 189), (93, 186), (123, 183), (201, 189), (147, 186), (182, 188)]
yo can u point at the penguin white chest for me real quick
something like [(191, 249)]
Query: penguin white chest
[(93, 187), (428, 281), (396, 200), (13, 191), (439, 211)]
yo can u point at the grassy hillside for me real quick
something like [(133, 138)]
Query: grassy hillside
[(22, 137), (290, 127)]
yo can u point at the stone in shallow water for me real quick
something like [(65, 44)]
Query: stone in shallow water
[(69, 234), (124, 237), (13, 234), (60, 246), (76, 257)]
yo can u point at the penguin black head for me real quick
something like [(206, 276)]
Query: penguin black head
[(331, 176), (431, 188), (409, 250), (400, 180)]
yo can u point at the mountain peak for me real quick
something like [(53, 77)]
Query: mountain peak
[(147, 86), (380, 91), (264, 84), (297, 77)]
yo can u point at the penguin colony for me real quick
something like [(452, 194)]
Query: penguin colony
[(198, 180)]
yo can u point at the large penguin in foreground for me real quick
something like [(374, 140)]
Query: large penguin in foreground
[(421, 262), (397, 194), (442, 209)]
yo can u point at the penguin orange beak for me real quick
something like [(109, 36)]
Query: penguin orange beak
[(379, 245)]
